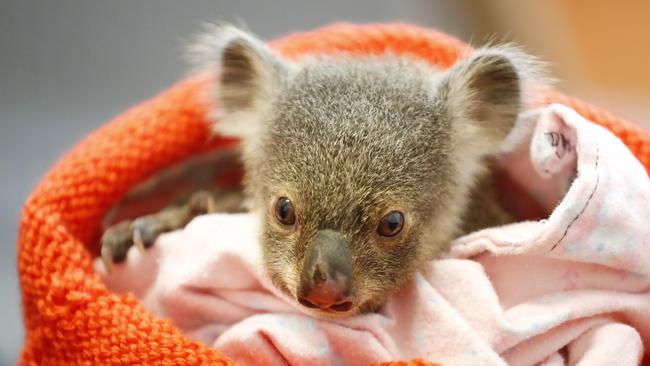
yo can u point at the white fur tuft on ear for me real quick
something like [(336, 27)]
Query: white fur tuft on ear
[(248, 75), (486, 92)]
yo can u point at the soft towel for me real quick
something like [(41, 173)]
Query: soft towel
[(571, 289)]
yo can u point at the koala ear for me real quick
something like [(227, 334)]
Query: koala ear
[(485, 92), (248, 75)]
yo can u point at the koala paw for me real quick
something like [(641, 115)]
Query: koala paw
[(115, 243), (143, 231)]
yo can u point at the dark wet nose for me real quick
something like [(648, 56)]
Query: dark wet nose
[(326, 275)]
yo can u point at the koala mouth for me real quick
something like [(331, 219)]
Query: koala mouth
[(342, 307), (342, 310), (339, 307)]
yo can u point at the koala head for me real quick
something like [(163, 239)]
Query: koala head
[(359, 166)]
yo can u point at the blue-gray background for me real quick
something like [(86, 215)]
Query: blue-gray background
[(66, 66)]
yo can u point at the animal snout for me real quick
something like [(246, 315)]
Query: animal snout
[(326, 280)]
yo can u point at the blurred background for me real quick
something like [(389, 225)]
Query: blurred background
[(67, 66)]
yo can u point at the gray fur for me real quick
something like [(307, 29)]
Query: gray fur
[(350, 138)]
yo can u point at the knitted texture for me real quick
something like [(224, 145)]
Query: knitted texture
[(70, 316)]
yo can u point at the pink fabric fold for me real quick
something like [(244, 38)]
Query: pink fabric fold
[(573, 289)]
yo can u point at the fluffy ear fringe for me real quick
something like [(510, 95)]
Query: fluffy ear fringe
[(532, 71), (247, 76), (486, 92)]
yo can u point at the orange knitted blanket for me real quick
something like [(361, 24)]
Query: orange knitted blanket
[(70, 316)]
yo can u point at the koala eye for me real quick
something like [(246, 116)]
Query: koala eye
[(284, 211), (391, 224)]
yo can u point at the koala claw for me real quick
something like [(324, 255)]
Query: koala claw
[(138, 242), (115, 244), (202, 202), (146, 230)]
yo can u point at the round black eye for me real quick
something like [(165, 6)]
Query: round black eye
[(284, 211), (391, 224)]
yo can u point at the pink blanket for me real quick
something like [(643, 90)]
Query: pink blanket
[(570, 290)]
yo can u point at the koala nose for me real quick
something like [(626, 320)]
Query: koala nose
[(326, 274)]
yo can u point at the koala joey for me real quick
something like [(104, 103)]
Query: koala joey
[(360, 168)]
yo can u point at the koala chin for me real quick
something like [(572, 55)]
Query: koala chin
[(362, 168)]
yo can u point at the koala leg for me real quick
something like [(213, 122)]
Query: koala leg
[(143, 231)]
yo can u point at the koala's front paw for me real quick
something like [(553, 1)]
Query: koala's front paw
[(143, 231), (115, 243)]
